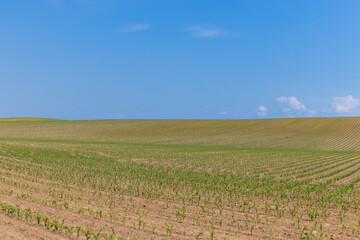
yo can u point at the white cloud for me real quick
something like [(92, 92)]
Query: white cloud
[(202, 32), (223, 113), (346, 105), (292, 104), (262, 111), (312, 112), (136, 27)]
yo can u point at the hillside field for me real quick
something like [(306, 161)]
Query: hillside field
[(293, 178)]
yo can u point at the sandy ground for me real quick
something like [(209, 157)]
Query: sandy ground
[(12, 227)]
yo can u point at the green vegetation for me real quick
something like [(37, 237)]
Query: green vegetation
[(184, 178)]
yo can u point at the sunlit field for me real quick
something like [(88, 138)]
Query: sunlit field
[(180, 179)]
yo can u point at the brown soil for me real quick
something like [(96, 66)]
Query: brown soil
[(234, 221), (12, 227)]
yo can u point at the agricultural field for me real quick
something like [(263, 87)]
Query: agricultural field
[(180, 179)]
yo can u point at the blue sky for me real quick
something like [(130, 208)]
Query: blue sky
[(94, 59)]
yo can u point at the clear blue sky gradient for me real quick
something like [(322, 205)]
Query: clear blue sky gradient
[(93, 59)]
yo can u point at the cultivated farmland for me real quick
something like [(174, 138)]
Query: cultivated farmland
[(180, 179)]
